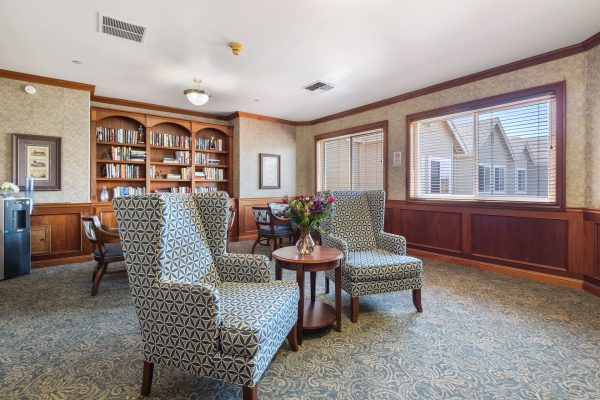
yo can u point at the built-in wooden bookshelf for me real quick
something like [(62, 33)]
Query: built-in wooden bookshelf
[(133, 152)]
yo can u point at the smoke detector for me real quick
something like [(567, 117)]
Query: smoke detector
[(121, 29), (319, 85)]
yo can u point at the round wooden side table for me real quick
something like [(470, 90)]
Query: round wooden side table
[(315, 314)]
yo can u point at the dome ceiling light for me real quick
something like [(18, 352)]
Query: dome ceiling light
[(196, 96)]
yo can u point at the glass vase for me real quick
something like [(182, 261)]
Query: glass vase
[(104, 194), (306, 244)]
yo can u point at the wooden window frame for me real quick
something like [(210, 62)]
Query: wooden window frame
[(558, 89), (383, 125)]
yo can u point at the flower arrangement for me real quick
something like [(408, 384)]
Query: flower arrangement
[(308, 211), (9, 188)]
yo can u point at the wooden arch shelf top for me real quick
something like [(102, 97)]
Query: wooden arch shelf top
[(153, 121), (200, 126), (99, 114)]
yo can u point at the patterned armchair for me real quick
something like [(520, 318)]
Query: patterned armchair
[(200, 308), (374, 261)]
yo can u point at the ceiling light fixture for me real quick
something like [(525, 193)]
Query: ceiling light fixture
[(236, 48), (196, 96)]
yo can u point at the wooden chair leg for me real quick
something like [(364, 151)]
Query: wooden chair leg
[(98, 278), (147, 378), (255, 243), (250, 392), (292, 338), (95, 271), (354, 309), (326, 285), (416, 295)]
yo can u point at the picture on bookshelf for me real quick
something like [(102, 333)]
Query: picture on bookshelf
[(37, 157)]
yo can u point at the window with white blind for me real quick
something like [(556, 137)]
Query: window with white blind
[(352, 161), (505, 151)]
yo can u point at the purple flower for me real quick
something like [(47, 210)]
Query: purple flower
[(317, 207)]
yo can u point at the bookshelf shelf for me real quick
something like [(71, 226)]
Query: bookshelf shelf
[(157, 133)]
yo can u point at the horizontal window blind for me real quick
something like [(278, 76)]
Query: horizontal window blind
[(501, 153), (351, 162)]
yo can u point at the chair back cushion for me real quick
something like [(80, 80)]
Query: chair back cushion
[(351, 219), (185, 255), (261, 215)]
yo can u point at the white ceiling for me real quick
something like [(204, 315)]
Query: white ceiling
[(371, 50)]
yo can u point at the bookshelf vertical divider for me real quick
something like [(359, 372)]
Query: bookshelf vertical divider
[(170, 155)]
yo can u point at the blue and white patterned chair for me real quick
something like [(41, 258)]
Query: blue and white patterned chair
[(200, 308), (374, 261)]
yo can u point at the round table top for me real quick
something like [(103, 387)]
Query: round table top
[(322, 254)]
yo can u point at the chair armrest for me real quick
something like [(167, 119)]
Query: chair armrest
[(206, 313), (244, 268), (335, 242), (393, 243), (108, 235)]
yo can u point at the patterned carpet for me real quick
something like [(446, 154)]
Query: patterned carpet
[(482, 336)]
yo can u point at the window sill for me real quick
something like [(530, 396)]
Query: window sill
[(488, 204)]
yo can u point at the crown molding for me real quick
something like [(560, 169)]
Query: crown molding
[(156, 107), (21, 76), (553, 55), (241, 114)]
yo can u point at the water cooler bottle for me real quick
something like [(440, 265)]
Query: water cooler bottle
[(15, 242)]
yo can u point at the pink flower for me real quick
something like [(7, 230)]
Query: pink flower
[(286, 200), (331, 200), (303, 197)]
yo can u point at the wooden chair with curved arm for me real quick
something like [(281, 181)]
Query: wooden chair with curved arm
[(271, 228), (107, 248)]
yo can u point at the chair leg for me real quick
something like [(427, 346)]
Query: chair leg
[(354, 309), (251, 392), (292, 338), (147, 378), (95, 271), (416, 295), (326, 285), (98, 278), (255, 243)]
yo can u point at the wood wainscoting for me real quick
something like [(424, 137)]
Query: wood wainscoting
[(559, 247)]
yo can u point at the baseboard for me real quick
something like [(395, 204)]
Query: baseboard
[(501, 269), (591, 288), (60, 261)]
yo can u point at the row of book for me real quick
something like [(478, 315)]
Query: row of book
[(119, 135), (122, 171), (181, 157), (203, 158), (211, 173), (209, 144), (179, 189), (202, 189), (184, 173), (125, 153), (168, 140), (119, 191)]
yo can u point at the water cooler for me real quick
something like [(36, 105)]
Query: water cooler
[(15, 242)]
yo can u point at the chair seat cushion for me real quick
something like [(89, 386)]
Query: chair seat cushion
[(279, 230), (255, 316), (380, 265), (111, 250)]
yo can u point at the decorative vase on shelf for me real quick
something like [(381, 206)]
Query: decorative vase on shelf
[(104, 194), (306, 244)]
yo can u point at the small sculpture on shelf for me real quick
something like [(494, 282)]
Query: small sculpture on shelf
[(105, 156), (141, 134), (212, 143), (104, 194)]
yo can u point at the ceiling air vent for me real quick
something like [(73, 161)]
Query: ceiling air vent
[(319, 85), (122, 29)]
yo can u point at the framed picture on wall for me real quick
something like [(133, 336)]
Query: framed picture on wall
[(39, 157), (270, 171)]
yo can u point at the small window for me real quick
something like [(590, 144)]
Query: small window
[(440, 175), (499, 179), (352, 160), (521, 182), (484, 178)]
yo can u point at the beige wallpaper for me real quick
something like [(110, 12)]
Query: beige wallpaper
[(52, 111), (592, 159), (252, 137), (572, 69)]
